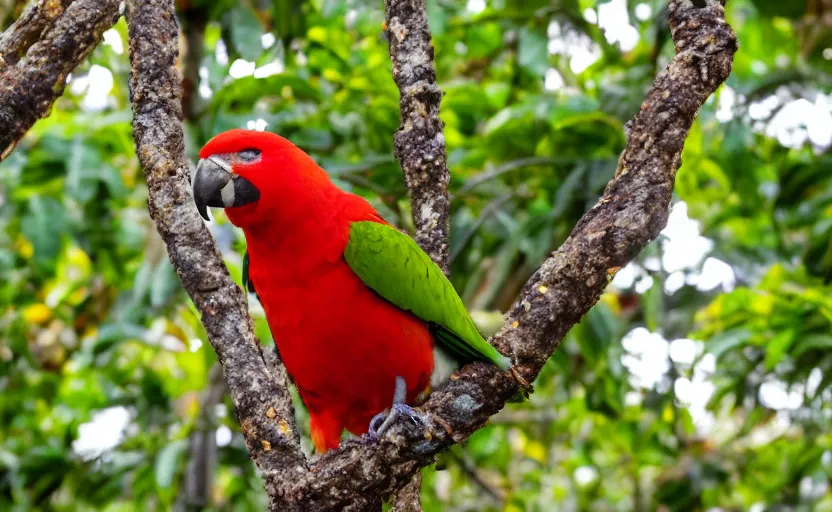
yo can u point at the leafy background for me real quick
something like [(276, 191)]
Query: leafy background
[(701, 381)]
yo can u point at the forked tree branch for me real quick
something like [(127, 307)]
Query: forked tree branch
[(631, 213), (30, 86), (362, 473)]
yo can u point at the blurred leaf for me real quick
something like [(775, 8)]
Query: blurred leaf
[(532, 51), (167, 462), (719, 345), (246, 30), (812, 342), (778, 347), (43, 226)]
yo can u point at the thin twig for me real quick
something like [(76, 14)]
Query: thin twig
[(508, 167), (470, 469), (490, 209), (523, 417)]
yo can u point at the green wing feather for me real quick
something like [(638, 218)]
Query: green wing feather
[(395, 267)]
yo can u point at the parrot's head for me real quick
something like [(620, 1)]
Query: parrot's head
[(256, 176)]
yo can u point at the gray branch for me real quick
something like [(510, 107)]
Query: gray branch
[(30, 86), (260, 394), (420, 144)]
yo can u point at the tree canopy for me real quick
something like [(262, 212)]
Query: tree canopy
[(702, 379)]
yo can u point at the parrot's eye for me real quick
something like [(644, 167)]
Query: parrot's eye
[(249, 155)]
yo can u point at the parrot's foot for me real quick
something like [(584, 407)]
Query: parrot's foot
[(384, 420)]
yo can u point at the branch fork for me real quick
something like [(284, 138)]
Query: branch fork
[(362, 473)]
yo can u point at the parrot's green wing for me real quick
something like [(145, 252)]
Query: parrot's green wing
[(390, 262)]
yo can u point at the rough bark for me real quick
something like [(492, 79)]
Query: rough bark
[(419, 144), (27, 29), (260, 394), (408, 498), (30, 87)]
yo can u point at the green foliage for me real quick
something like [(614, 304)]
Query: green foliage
[(103, 359)]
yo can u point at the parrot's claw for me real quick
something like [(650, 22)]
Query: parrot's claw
[(382, 421)]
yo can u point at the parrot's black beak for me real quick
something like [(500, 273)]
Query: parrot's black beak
[(216, 186)]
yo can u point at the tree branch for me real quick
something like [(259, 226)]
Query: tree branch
[(260, 394), (409, 497), (632, 212), (419, 144), (27, 29), (30, 87)]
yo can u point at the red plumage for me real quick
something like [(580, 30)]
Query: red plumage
[(342, 344)]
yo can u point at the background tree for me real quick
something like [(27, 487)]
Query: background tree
[(699, 380)]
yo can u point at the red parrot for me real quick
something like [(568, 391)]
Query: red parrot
[(353, 304)]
